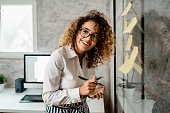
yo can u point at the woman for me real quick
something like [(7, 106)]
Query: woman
[(156, 59), (84, 45)]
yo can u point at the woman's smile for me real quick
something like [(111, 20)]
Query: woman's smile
[(83, 40)]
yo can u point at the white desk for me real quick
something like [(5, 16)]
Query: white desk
[(135, 104), (9, 102)]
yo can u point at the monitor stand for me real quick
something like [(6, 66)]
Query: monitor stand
[(31, 98)]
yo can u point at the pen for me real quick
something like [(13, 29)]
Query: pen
[(86, 79)]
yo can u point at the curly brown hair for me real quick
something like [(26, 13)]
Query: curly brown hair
[(104, 47)]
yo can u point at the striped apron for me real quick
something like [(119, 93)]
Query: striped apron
[(80, 107)]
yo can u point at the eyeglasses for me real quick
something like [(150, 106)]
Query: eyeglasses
[(85, 33), (164, 38), (164, 32)]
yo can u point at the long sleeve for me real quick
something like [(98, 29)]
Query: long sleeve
[(52, 93), (61, 97)]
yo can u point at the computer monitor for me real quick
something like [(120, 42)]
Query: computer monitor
[(34, 67)]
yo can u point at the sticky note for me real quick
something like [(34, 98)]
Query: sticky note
[(127, 9), (126, 57), (96, 91), (127, 66), (131, 25), (139, 58), (129, 43), (125, 26), (134, 54), (137, 68)]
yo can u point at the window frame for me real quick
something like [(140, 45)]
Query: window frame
[(34, 8)]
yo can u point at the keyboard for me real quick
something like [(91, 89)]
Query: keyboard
[(31, 98)]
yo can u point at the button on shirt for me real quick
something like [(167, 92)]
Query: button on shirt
[(61, 83)]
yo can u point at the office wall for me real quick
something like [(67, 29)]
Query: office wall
[(53, 17)]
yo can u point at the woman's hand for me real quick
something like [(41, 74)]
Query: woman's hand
[(152, 93), (163, 87), (99, 95), (88, 86)]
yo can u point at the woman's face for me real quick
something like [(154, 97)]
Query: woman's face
[(87, 37), (164, 35)]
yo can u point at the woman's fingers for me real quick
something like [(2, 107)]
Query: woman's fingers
[(88, 87), (163, 82), (101, 87), (93, 80), (92, 85), (99, 95)]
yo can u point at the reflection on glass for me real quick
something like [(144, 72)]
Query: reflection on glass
[(156, 59)]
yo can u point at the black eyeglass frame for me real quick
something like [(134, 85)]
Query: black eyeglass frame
[(164, 33), (92, 36)]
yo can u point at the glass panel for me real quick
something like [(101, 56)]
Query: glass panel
[(151, 92), (16, 28)]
